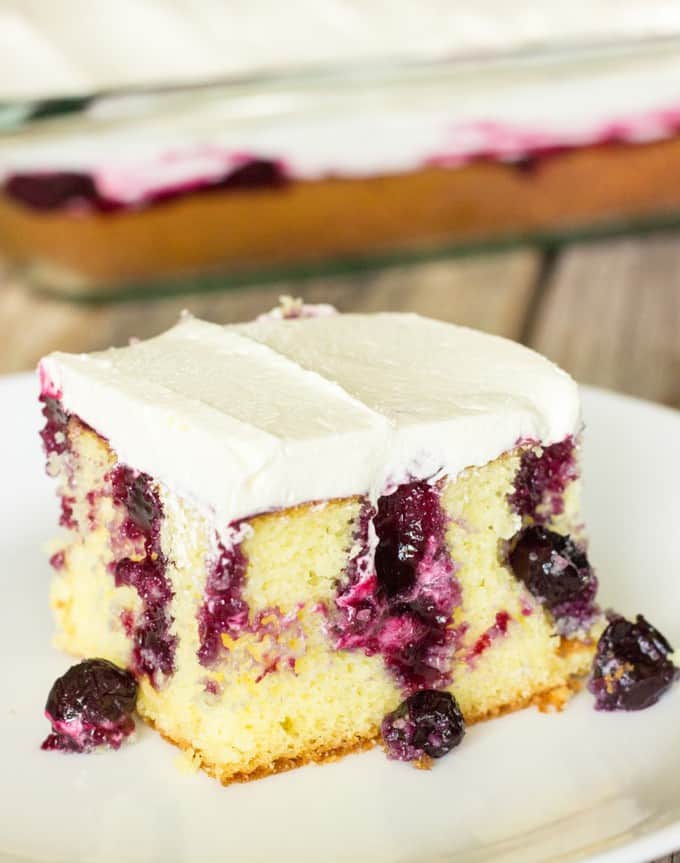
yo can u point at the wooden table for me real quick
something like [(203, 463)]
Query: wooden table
[(607, 311)]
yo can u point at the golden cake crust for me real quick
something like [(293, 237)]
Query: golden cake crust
[(551, 700)]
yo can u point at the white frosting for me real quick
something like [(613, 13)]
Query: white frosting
[(275, 413), (137, 146), (84, 46)]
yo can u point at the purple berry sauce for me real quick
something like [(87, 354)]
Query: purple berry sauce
[(631, 669), (127, 620), (224, 611), (58, 560), (428, 723), (402, 606), (557, 573), (497, 630), (154, 646), (56, 444), (66, 517), (53, 434), (542, 479), (77, 192), (212, 687), (91, 706)]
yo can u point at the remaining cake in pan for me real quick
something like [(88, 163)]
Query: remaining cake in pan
[(298, 534), (450, 124)]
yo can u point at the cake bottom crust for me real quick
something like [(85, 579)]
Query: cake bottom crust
[(551, 700)]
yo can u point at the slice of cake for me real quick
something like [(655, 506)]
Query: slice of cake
[(300, 534)]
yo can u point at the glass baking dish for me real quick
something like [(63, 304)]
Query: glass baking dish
[(276, 176)]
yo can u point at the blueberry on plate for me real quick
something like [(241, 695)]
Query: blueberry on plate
[(631, 669), (91, 705), (427, 723)]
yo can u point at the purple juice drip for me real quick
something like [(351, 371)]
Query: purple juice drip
[(402, 606), (66, 517), (497, 630), (55, 440), (154, 646), (224, 611), (542, 479), (54, 431), (58, 560)]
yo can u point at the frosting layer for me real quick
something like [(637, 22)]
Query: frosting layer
[(274, 413), (135, 148), (57, 49)]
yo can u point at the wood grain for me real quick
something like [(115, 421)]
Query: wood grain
[(491, 293), (610, 315)]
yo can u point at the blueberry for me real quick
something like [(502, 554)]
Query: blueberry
[(95, 691), (136, 493), (255, 174), (51, 191), (404, 523), (552, 567), (56, 423), (427, 723), (395, 567), (631, 669), (542, 479)]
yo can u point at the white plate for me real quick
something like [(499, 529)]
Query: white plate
[(530, 787)]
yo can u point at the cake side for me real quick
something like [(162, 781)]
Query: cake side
[(290, 677)]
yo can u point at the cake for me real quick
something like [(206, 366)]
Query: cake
[(495, 123), (310, 533)]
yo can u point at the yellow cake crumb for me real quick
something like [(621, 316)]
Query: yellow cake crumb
[(244, 718)]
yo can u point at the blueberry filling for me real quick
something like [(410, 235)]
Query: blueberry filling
[(427, 723), (225, 616), (53, 434), (90, 706), (631, 669), (55, 440), (402, 606), (153, 644), (134, 493), (72, 190), (556, 571), (404, 522), (224, 611), (497, 630), (58, 560), (541, 480)]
